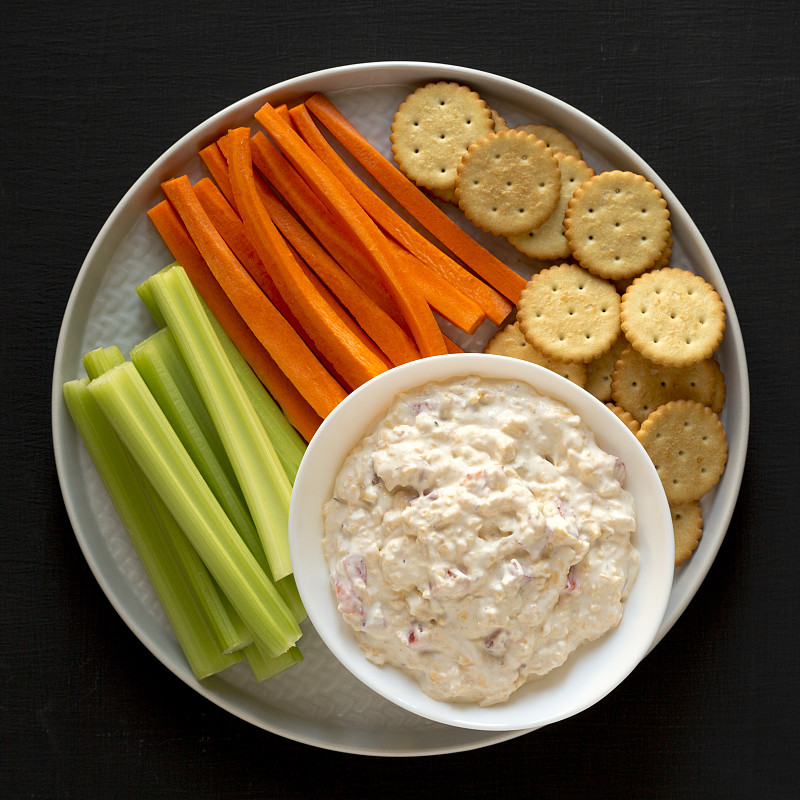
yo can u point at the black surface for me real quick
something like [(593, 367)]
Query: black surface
[(93, 92)]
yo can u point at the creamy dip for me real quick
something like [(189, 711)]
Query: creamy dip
[(477, 535)]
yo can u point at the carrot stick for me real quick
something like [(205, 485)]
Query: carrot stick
[(355, 362), (177, 238), (458, 241), (313, 212), (231, 228), (271, 328), (217, 165), (349, 214), (442, 296), (381, 328), (375, 322), (496, 307)]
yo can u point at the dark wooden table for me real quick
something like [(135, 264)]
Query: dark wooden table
[(93, 92)]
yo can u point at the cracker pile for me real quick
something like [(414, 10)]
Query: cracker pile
[(605, 310)]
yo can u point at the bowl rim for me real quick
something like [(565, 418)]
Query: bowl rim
[(345, 427)]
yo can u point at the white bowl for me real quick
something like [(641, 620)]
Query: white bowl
[(594, 669)]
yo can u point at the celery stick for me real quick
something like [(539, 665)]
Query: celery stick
[(226, 625), (228, 630), (98, 361), (159, 361), (287, 589), (146, 296), (262, 478), (133, 502), (264, 666), (137, 418), (288, 443)]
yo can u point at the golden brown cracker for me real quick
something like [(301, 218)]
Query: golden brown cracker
[(509, 341), (688, 446), (687, 526), (673, 316), (617, 224), (548, 242), (553, 137), (599, 371), (569, 314), (499, 122), (432, 129), (641, 386), (625, 416), (508, 182)]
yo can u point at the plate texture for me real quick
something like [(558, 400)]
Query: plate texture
[(318, 702)]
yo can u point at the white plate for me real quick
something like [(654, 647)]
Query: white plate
[(318, 702)]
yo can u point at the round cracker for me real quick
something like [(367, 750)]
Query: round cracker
[(432, 129), (641, 386), (687, 525), (508, 182), (509, 341), (617, 224), (688, 446), (599, 371), (499, 122), (625, 416), (547, 242), (673, 316), (555, 139), (569, 314)]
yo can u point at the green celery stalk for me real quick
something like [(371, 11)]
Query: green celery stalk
[(102, 359), (288, 443), (146, 296), (264, 666), (225, 624), (143, 428), (160, 362), (229, 631), (134, 503), (261, 477)]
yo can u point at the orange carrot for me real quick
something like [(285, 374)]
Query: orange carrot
[(442, 296), (231, 228), (313, 212), (349, 214), (381, 328), (355, 362), (496, 307), (340, 311), (457, 240), (376, 323), (217, 165), (271, 328), (177, 238)]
